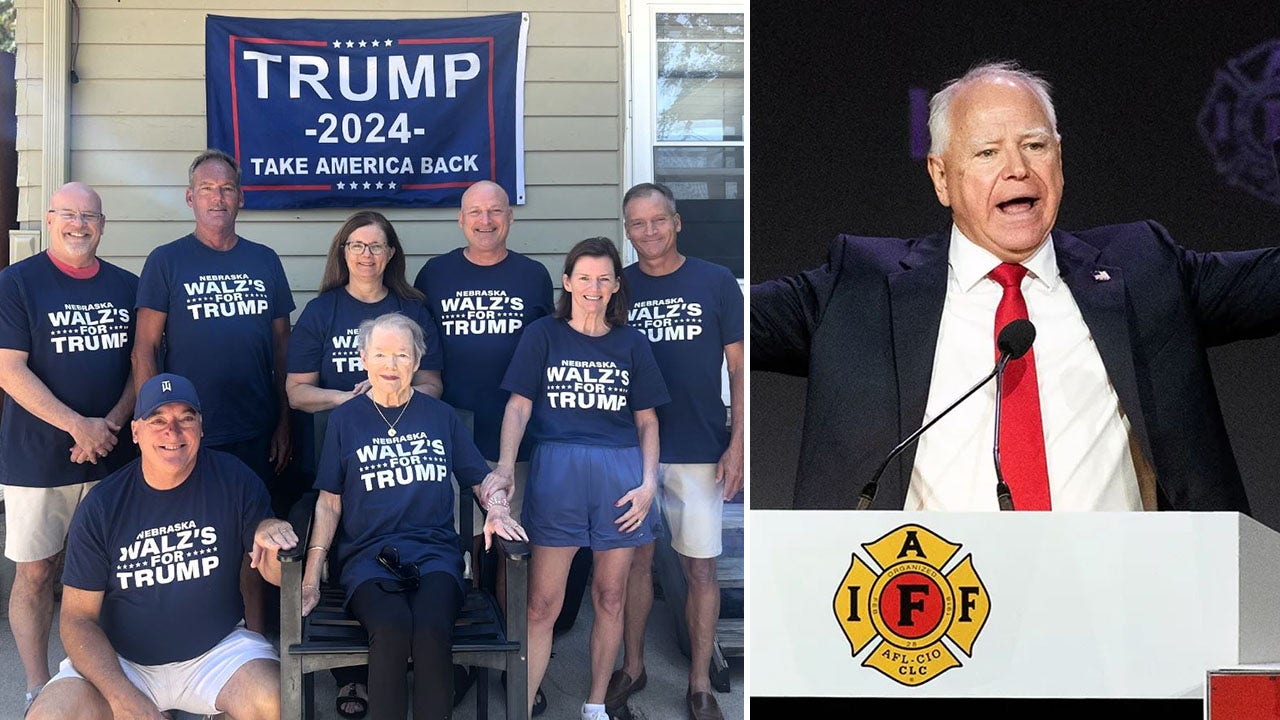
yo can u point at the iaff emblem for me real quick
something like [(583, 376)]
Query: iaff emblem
[(913, 611)]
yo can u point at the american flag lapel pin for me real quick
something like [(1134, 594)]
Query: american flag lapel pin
[(1101, 276)]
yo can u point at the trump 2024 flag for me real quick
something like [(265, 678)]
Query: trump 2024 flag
[(368, 113)]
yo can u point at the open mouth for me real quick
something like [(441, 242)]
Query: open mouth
[(1017, 205)]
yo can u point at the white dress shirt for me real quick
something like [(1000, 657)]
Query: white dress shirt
[(1086, 434)]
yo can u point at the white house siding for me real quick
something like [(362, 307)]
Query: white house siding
[(137, 119)]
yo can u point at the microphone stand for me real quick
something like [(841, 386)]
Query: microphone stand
[(1003, 497), (868, 493)]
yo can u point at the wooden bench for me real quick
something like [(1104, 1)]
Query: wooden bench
[(330, 638)]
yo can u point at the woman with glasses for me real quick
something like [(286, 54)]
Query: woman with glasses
[(364, 277), (385, 493), (586, 386)]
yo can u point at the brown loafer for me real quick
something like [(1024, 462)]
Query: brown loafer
[(703, 706), (621, 687)]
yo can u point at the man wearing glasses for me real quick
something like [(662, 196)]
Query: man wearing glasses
[(221, 304), (66, 327)]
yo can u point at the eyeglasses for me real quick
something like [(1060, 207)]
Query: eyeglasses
[(71, 216), (408, 575), (359, 248)]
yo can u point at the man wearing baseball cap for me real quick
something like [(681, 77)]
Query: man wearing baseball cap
[(152, 615)]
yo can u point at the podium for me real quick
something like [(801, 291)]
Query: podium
[(1007, 605)]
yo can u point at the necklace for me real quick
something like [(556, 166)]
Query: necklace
[(391, 426)]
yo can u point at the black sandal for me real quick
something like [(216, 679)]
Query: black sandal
[(349, 694), (539, 703)]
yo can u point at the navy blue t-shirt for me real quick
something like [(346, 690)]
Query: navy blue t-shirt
[(481, 311), (584, 389), (396, 490), (689, 316), (167, 561), (324, 340), (220, 307), (77, 335)]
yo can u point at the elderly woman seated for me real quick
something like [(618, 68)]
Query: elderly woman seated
[(384, 481)]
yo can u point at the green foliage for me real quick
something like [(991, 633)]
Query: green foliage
[(8, 22)]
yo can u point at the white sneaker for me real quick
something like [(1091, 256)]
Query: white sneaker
[(594, 712)]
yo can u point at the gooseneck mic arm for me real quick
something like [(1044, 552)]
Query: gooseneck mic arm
[(869, 490), (1013, 342), (1004, 498)]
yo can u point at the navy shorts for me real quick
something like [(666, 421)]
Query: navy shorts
[(569, 501)]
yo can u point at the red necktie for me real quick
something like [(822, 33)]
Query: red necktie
[(1021, 431)]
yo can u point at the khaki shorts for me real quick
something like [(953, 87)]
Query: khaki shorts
[(516, 499), (36, 519), (693, 505), (191, 685)]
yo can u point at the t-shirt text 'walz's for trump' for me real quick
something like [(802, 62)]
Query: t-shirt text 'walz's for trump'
[(368, 113)]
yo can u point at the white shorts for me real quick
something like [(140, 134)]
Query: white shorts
[(36, 519), (692, 503), (191, 685)]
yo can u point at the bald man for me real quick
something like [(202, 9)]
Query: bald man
[(482, 296), (66, 331)]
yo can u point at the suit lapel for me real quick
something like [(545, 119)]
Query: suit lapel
[(1099, 291), (916, 296)]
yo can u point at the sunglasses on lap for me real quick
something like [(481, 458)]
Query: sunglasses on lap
[(407, 575)]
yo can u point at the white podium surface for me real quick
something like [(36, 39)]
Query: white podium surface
[(1081, 605)]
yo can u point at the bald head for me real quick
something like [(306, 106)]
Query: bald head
[(485, 189), (75, 222), (485, 218), (77, 191)]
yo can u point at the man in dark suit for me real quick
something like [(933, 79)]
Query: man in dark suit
[(1124, 415)]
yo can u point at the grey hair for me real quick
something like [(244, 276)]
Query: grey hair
[(206, 156), (393, 321), (648, 190), (940, 103)]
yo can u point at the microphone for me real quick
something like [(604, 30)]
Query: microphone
[(1013, 342), (1015, 339)]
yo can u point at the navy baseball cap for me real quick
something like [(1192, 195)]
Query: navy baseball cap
[(163, 389)]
